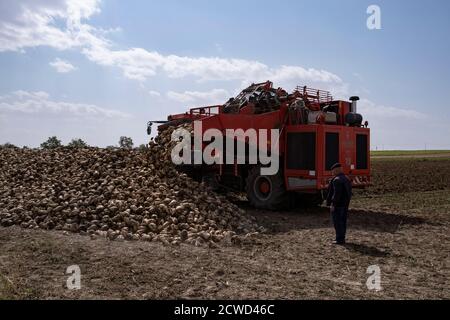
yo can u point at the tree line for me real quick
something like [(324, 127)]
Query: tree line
[(54, 143)]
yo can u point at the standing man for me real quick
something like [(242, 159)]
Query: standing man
[(339, 196)]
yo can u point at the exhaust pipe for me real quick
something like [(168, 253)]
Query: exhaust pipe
[(354, 101)]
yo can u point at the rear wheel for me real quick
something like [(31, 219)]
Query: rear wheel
[(266, 192)]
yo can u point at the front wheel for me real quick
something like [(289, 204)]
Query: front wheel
[(266, 192)]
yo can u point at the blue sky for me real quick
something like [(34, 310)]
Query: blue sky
[(100, 69)]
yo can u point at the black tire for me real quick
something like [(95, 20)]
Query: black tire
[(274, 198)]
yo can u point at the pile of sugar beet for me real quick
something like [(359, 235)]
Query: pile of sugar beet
[(119, 194)]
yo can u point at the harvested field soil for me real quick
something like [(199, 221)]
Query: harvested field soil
[(410, 153), (409, 175), (401, 224)]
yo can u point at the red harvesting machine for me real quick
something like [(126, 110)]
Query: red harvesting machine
[(315, 132)]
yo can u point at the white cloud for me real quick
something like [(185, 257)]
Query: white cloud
[(402, 128), (62, 66), (24, 102), (312, 75), (140, 64), (154, 93), (215, 96), (370, 109), (31, 23), (22, 95)]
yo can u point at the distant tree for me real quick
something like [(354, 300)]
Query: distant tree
[(143, 147), (77, 143), (51, 143), (126, 143), (8, 146)]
